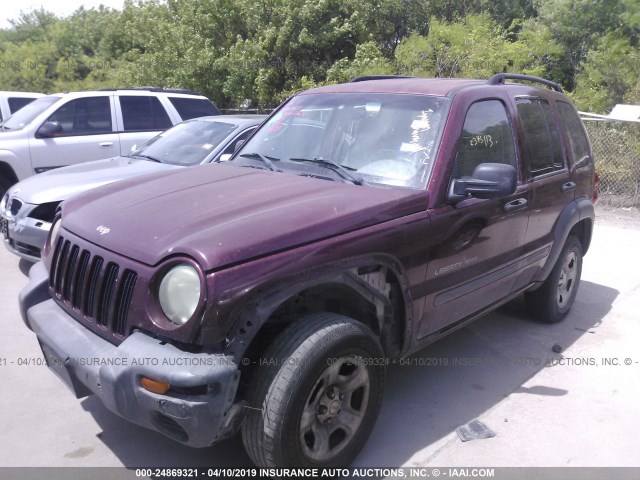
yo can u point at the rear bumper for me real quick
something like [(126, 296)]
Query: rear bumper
[(195, 411)]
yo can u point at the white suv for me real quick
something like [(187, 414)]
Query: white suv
[(67, 128)]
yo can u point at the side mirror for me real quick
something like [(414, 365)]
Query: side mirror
[(49, 130), (489, 180), (134, 147), (225, 157)]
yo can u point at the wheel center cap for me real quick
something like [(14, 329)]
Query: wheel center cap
[(334, 407)]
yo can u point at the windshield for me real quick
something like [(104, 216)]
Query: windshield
[(384, 139), (26, 114), (188, 143)]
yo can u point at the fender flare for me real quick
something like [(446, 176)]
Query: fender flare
[(263, 302), (574, 212)]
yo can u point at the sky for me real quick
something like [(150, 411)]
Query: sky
[(11, 9)]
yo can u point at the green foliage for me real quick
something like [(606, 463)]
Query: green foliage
[(265, 50), (477, 47), (369, 60), (610, 75), (577, 24)]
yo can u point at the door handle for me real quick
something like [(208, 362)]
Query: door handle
[(515, 205), (105, 144), (568, 187)]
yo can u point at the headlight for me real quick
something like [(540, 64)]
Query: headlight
[(179, 293), (53, 236)]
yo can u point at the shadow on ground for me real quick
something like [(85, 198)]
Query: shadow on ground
[(449, 383)]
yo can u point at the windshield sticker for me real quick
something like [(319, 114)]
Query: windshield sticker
[(410, 147), (419, 127)]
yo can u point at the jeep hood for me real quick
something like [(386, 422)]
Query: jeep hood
[(222, 214), (62, 183)]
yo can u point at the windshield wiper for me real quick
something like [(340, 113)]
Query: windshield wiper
[(268, 161), (148, 157), (336, 167)]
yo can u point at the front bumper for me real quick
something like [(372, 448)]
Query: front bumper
[(25, 236), (195, 411)]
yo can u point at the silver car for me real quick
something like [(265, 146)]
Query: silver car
[(28, 208)]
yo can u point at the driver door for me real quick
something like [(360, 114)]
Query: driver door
[(476, 255)]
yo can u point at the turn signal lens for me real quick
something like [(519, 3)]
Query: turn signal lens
[(154, 386)]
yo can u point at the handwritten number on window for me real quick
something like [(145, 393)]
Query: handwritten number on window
[(484, 140)]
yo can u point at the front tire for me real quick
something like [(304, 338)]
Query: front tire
[(316, 395), (553, 300), (4, 186)]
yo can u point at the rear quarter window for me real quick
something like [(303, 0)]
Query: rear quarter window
[(16, 103), (193, 107)]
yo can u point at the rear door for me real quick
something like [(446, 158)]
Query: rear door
[(140, 118), (551, 184), (479, 253), (581, 158)]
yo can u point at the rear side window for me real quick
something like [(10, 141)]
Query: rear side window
[(84, 116), (16, 103), (578, 141), (193, 107), (542, 138), (143, 113), (486, 138)]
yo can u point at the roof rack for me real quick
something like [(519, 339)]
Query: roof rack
[(152, 89), (499, 79), (364, 78)]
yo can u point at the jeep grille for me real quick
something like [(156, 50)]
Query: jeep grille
[(97, 289)]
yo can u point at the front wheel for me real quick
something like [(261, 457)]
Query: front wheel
[(553, 300), (315, 395), (4, 186)]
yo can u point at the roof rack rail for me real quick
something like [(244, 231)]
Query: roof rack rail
[(151, 89), (166, 90), (499, 79), (364, 78)]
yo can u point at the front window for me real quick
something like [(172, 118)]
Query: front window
[(84, 116), (486, 138), (188, 143), (25, 115), (383, 139)]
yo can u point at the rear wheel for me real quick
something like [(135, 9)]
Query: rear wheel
[(316, 399), (553, 300)]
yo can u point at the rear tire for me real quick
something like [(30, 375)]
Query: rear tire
[(553, 300), (316, 395)]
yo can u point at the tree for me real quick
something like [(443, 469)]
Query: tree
[(610, 75), (577, 25), (478, 46)]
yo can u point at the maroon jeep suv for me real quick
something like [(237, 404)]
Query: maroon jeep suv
[(360, 223)]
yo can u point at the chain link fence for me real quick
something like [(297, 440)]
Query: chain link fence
[(616, 151)]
